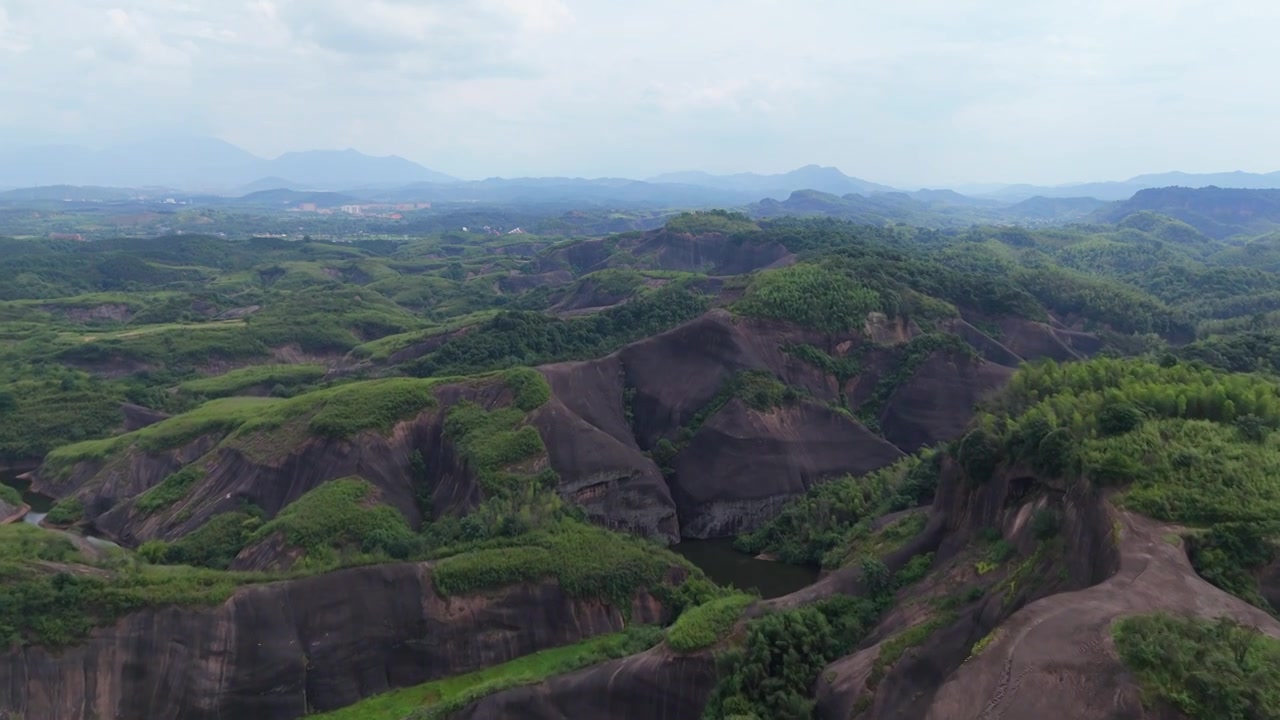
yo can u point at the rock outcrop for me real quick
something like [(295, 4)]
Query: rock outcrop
[(281, 650), (1047, 623), (604, 421), (936, 403), (743, 464), (651, 685), (711, 253)]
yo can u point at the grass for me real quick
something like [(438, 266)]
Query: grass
[(340, 514), (586, 560), (377, 405), (707, 624), (56, 609), (170, 490), (214, 417), (10, 496), (338, 412), (491, 441), (267, 376), (438, 697), (1206, 670), (893, 649), (65, 512)]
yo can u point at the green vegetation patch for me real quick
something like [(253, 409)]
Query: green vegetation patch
[(10, 496), (268, 376), (213, 545), (40, 604), (170, 490), (66, 512), (492, 441), (439, 698), (341, 411), (830, 523), (53, 406), (772, 673), (711, 221), (705, 625), (346, 410), (812, 296), (586, 560), (906, 362), (523, 338), (1207, 670), (338, 515)]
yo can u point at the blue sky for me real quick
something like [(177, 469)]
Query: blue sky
[(917, 92)]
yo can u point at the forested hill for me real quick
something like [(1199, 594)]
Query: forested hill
[(1216, 212), (485, 441)]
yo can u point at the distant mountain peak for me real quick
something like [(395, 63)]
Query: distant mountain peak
[(204, 164), (823, 178)]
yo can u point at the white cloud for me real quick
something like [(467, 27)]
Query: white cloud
[(929, 91)]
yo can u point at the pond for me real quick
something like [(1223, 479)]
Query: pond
[(727, 566), (40, 504)]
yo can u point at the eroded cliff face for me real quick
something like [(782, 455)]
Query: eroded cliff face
[(278, 651), (743, 465), (601, 426), (1038, 642), (274, 470), (653, 685)]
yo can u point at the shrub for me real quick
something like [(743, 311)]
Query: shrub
[(703, 626), (172, 489), (10, 496), (1207, 670), (340, 515), (812, 296), (66, 512), (585, 560), (1045, 524)]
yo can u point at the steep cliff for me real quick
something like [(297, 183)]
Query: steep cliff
[(281, 650)]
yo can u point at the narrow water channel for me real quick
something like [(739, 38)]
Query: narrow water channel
[(40, 504), (727, 566)]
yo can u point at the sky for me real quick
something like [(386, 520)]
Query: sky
[(909, 93)]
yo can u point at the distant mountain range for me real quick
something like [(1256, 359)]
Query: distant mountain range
[(214, 167), (926, 208), (205, 164), (1214, 211), (1125, 189), (778, 187)]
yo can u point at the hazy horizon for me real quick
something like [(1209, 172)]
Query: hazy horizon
[(940, 94)]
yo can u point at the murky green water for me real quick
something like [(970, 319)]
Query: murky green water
[(40, 504), (727, 566)]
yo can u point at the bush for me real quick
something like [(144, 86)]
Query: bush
[(772, 674), (1119, 418), (703, 626), (172, 489), (1206, 670), (810, 295), (213, 545), (1045, 524), (10, 496), (66, 512), (587, 562), (340, 515), (1230, 555)]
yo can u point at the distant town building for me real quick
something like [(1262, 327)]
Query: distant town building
[(307, 207)]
